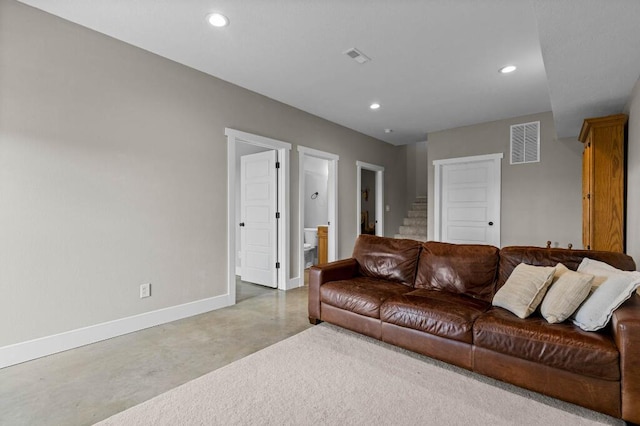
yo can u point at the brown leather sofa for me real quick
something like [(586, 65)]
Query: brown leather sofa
[(435, 299)]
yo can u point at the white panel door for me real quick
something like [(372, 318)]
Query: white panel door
[(471, 203), (258, 218)]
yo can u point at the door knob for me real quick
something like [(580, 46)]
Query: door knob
[(241, 223), (490, 223)]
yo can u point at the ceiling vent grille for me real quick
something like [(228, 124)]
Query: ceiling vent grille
[(357, 55), (525, 143)]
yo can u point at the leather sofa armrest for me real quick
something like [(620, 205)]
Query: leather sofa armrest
[(626, 332), (318, 275)]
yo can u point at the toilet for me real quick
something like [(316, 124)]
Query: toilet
[(310, 246)]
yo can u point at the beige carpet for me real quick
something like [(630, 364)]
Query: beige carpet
[(326, 375)]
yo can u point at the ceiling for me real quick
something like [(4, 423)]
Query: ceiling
[(434, 63)]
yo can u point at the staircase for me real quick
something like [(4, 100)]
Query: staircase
[(415, 226)]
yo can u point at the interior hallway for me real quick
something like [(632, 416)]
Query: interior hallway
[(88, 384)]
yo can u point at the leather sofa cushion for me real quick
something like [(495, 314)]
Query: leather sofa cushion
[(440, 313), (458, 268), (361, 295), (562, 346), (387, 258), (510, 257)]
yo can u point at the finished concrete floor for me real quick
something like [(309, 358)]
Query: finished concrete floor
[(88, 384)]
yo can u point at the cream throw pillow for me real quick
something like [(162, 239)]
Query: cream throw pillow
[(568, 290), (524, 289), (611, 288)]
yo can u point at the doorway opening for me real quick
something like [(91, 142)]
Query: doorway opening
[(274, 260), (370, 199), (318, 207), (256, 206)]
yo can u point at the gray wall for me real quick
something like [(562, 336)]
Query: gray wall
[(540, 201), (113, 173), (633, 176), (417, 171), (422, 169)]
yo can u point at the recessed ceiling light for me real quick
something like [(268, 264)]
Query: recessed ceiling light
[(374, 105), (218, 20), (507, 69)]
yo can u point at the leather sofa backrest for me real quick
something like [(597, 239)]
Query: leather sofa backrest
[(387, 258), (458, 268), (510, 257)]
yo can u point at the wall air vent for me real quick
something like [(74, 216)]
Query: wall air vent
[(525, 143), (357, 55)]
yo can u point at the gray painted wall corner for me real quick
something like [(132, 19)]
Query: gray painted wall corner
[(113, 164)]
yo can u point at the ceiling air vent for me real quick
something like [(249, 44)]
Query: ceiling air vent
[(357, 55), (525, 143)]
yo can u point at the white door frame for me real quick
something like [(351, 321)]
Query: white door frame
[(437, 187), (379, 171), (332, 202), (283, 148)]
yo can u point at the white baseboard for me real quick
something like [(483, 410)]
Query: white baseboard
[(294, 283), (32, 349)]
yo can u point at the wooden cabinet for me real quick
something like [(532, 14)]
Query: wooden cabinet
[(603, 183), (323, 246)]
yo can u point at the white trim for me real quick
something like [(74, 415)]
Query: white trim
[(379, 171), (231, 215), (332, 202), (317, 153), (332, 249), (32, 349), (295, 283), (437, 193), (283, 148), (285, 222), (358, 199), (256, 139), (369, 166), (380, 203), (471, 159)]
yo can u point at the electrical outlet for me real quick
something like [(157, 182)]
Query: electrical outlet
[(145, 290)]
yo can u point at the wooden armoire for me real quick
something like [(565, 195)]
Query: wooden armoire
[(603, 183)]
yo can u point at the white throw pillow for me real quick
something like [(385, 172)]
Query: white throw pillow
[(592, 263), (567, 291), (524, 289), (611, 288)]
